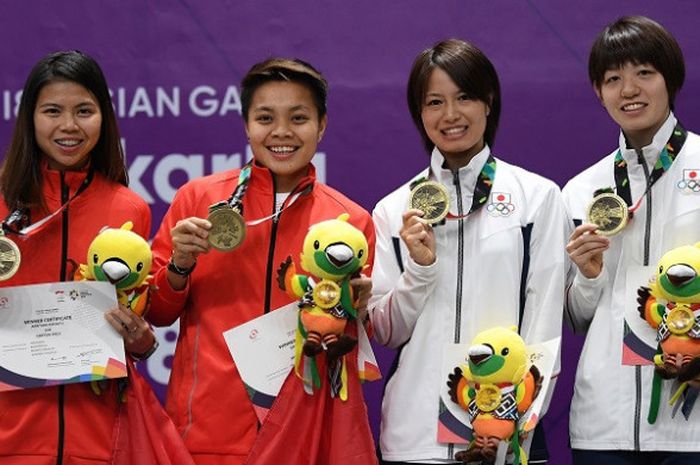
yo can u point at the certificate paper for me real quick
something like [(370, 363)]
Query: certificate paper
[(56, 334)]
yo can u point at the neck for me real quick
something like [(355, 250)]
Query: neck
[(285, 184), (643, 137), (459, 160)]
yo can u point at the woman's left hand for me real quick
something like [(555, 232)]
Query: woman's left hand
[(362, 290), (138, 337)]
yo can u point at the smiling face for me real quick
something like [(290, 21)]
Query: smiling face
[(454, 122), (284, 128), (636, 97), (67, 124)]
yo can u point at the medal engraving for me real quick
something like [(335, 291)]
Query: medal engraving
[(432, 199), (10, 258), (227, 227), (609, 212), (326, 294), (680, 319), (488, 397)]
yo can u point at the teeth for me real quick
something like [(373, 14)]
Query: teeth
[(633, 106), (68, 143), (285, 149), (453, 131)]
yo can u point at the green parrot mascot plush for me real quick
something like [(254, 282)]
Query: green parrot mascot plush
[(334, 251), (671, 305), (495, 388), (123, 258)]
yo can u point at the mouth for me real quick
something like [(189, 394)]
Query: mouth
[(68, 144), (633, 106), (283, 151), (454, 132)]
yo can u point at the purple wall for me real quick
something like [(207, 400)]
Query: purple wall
[(174, 67)]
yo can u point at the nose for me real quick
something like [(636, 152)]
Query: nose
[(629, 88), (451, 113), (68, 122), (282, 129)]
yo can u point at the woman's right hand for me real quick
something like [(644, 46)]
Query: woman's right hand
[(189, 239), (419, 237), (585, 249)]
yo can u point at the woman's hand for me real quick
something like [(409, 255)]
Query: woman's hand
[(189, 239), (137, 335), (361, 290), (418, 237), (585, 249)]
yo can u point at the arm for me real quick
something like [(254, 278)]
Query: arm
[(398, 297)]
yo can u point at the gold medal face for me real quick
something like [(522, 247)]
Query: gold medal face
[(326, 294), (227, 228), (609, 212), (680, 319), (488, 398), (432, 199), (10, 258)]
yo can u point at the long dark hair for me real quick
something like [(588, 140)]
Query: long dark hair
[(20, 176)]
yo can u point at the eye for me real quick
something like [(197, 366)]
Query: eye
[(139, 267), (505, 351), (360, 253), (661, 269), (263, 119), (316, 245), (95, 259), (300, 118)]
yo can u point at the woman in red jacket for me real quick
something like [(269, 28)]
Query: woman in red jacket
[(65, 165), (284, 109)]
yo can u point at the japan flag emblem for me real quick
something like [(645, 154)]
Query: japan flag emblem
[(690, 184), (500, 205)]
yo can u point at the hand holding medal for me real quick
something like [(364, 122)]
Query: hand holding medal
[(10, 257)]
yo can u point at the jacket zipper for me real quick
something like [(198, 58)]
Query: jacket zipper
[(62, 277), (460, 273), (647, 239)]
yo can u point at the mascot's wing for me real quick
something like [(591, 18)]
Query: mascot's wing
[(648, 308), (295, 285), (529, 389), (140, 300), (458, 388), (81, 274)]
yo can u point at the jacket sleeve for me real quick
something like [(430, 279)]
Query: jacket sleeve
[(545, 281), (582, 294), (167, 303), (400, 288)]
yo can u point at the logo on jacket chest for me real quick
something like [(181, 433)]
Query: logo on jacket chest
[(690, 184), (500, 204)]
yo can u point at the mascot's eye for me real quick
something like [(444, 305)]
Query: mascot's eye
[(360, 253), (661, 269), (139, 267), (95, 259), (316, 245), (505, 351)]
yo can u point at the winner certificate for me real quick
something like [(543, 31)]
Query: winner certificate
[(56, 334)]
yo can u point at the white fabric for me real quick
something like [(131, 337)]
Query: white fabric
[(418, 307), (606, 407)]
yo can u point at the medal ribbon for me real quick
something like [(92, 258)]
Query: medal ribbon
[(17, 221), (668, 155), (482, 188)]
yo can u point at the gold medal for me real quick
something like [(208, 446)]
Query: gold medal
[(432, 199), (227, 227), (326, 294), (609, 212), (680, 319), (488, 397), (10, 258)]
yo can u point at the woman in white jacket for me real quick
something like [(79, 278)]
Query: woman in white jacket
[(636, 68), (497, 259)]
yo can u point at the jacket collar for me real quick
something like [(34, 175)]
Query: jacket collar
[(261, 179), (52, 181), (467, 174), (652, 151)]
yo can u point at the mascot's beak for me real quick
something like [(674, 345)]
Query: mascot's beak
[(480, 353), (115, 270), (339, 254), (681, 274)]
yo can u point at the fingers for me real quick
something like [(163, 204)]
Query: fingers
[(584, 239), (418, 237), (137, 334), (362, 290), (189, 239)]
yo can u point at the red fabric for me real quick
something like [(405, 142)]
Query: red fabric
[(29, 418), (207, 399), (303, 429), (144, 434)]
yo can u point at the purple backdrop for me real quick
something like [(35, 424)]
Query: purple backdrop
[(174, 67)]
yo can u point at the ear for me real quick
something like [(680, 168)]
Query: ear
[(596, 89), (322, 127)]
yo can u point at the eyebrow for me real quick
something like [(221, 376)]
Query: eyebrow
[(294, 108)]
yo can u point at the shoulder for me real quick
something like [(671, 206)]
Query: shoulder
[(120, 194), (333, 198), (397, 201)]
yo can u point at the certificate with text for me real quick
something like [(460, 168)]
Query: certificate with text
[(56, 333)]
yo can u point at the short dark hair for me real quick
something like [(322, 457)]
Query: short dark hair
[(638, 40), (20, 179), (284, 70), (470, 70)]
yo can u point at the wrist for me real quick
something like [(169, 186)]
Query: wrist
[(148, 353), (180, 271)]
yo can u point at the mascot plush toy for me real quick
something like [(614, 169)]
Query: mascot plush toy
[(333, 252), (123, 258), (671, 305), (495, 388)]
